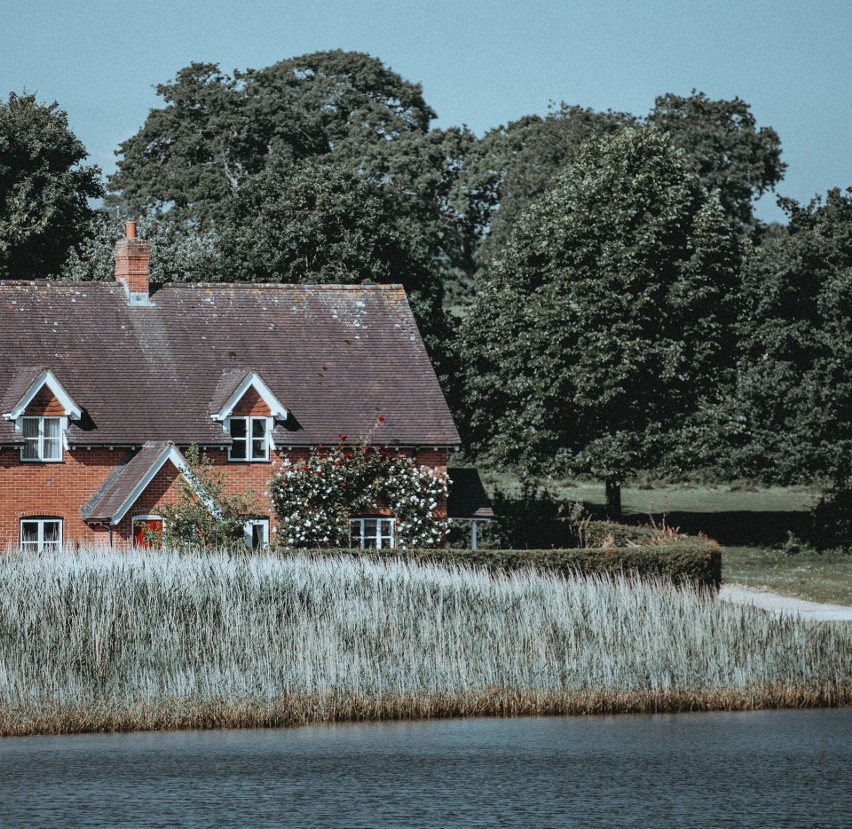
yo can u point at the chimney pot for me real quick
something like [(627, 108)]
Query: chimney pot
[(130, 230)]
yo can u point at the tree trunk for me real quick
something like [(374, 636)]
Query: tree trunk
[(613, 499)]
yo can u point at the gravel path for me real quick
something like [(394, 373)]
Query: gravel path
[(765, 600)]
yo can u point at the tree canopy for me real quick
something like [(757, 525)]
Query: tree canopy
[(724, 148), (316, 222), (215, 130), (44, 188), (603, 325), (794, 395), (526, 155)]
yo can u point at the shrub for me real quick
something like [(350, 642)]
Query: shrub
[(205, 515), (828, 526), (314, 499), (684, 561)]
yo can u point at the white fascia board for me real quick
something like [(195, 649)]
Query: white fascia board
[(252, 380), (170, 453), (46, 378)]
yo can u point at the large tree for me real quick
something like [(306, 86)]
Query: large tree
[(526, 154), (215, 130), (724, 148), (316, 222), (794, 395), (218, 135), (44, 188), (604, 324)]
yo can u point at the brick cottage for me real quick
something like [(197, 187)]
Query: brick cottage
[(103, 386)]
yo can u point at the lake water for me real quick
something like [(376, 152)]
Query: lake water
[(764, 769)]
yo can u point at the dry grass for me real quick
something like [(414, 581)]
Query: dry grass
[(105, 641)]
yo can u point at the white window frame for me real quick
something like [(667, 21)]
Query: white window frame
[(39, 545), (248, 440), (41, 439), (248, 532), (149, 517), (359, 538)]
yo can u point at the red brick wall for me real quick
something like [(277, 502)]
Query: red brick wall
[(45, 404), (61, 489), (52, 489), (251, 404)]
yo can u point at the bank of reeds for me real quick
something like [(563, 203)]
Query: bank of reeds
[(108, 641)]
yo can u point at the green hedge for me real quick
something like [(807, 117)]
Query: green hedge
[(696, 561)]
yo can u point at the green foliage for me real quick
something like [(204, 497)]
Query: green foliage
[(315, 499), (44, 189), (528, 153), (317, 222), (529, 519), (829, 526), (320, 167), (688, 561), (605, 324), (723, 147), (205, 514), (216, 131), (794, 391), (179, 252)]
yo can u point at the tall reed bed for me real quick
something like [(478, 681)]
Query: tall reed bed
[(105, 640)]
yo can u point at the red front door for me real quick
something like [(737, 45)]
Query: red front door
[(143, 526)]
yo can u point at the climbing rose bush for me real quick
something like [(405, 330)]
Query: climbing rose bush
[(314, 499)]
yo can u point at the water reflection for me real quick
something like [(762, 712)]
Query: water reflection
[(764, 769)]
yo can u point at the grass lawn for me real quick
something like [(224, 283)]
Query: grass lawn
[(750, 523), (681, 498), (818, 578)]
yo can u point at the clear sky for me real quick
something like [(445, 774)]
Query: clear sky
[(480, 63)]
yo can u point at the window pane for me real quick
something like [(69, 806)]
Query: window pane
[(29, 535), (258, 444), (370, 528), (51, 427), (239, 448), (51, 535), (385, 532), (52, 449), (29, 428)]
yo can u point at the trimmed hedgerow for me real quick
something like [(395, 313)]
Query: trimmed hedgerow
[(686, 561)]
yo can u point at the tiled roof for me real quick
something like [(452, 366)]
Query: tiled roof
[(337, 357), (111, 500), (21, 382)]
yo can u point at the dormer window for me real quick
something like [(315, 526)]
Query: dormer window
[(43, 436), (250, 438)]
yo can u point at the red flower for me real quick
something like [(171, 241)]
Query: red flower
[(380, 419), (342, 438), (348, 456), (319, 473), (337, 463)]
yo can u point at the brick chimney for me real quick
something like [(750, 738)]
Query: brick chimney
[(132, 257)]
